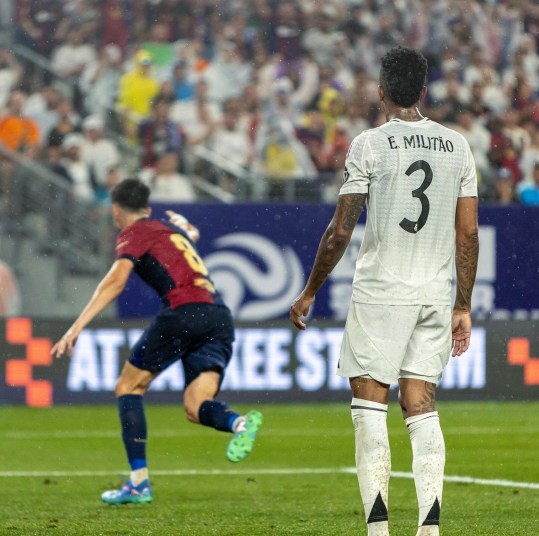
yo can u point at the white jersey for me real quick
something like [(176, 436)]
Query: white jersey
[(413, 173)]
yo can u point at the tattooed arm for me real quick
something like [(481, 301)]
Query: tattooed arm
[(330, 250), (467, 252)]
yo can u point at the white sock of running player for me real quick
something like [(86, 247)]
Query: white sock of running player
[(428, 449), (239, 425), (139, 476), (373, 462)]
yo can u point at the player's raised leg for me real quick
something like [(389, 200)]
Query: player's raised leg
[(201, 407), (417, 399), (373, 459), (130, 388)]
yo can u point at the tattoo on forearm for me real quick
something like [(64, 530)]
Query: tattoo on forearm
[(467, 252), (332, 245), (353, 208)]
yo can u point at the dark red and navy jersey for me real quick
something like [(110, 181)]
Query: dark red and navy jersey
[(167, 260)]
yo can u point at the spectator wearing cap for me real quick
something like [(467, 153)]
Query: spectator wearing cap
[(98, 153), (138, 87), (528, 190), (504, 192)]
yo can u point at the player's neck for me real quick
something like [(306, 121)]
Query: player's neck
[(131, 219), (404, 114)]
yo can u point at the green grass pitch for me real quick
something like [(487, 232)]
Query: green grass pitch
[(54, 464)]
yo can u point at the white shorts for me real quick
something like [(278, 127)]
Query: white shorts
[(388, 342)]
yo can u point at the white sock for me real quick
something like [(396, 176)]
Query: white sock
[(428, 466), (373, 462), (239, 425), (138, 476)]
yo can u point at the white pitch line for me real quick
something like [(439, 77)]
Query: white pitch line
[(113, 434), (276, 471)]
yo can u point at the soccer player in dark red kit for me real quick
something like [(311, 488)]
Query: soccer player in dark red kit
[(194, 326)]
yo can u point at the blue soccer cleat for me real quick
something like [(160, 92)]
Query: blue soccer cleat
[(243, 441), (129, 494)]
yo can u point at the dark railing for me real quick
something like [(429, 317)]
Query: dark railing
[(38, 205)]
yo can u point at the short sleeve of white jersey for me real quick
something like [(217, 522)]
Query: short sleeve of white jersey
[(468, 184), (358, 167)]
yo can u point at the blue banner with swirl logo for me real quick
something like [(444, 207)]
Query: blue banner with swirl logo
[(259, 256)]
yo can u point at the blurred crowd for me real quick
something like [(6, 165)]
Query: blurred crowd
[(276, 89)]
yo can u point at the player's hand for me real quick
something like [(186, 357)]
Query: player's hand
[(461, 326), (64, 347), (300, 308), (181, 221)]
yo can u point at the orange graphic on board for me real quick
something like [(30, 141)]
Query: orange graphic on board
[(19, 371), (518, 353)]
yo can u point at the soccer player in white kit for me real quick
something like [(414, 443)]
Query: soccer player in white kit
[(419, 182)]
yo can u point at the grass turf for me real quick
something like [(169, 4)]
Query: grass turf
[(483, 440)]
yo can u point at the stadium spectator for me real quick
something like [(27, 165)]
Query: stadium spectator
[(38, 24), (194, 327), (10, 74), (52, 160), (10, 299), (71, 57), (184, 88), (355, 119), (166, 184), (321, 39), (197, 116), (227, 75), (478, 137), (285, 28), (80, 174), (137, 89), (99, 153), (17, 131), (530, 155), (115, 21), (158, 134), (504, 191), (100, 81), (230, 142), (67, 122), (42, 107), (529, 191)]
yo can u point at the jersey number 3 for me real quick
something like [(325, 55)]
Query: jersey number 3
[(415, 226)]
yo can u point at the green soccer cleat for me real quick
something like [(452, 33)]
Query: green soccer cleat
[(129, 494), (243, 442)]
